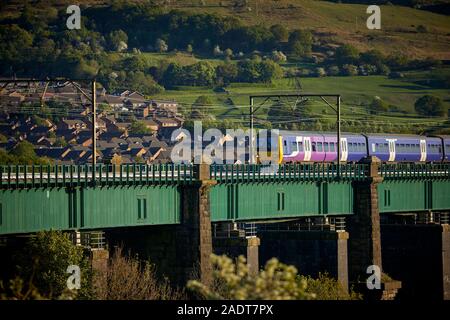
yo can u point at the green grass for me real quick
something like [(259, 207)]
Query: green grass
[(356, 93), (346, 23)]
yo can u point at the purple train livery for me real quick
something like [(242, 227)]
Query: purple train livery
[(322, 147)]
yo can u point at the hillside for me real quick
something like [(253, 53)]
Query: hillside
[(330, 21)]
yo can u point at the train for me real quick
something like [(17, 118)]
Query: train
[(304, 147)]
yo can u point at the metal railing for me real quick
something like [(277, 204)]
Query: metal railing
[(15, 176), (415, 171), (30, 176), (287, 172)]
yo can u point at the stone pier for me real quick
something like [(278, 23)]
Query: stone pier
[(364, 247)]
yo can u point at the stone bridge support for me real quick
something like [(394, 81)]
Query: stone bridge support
[(365, 237)]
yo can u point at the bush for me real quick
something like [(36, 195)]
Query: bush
[(378, 105), (429, 105), (278, 56), (276, 281), (45, 259), (127, 279), (320, 72), (349, 70), (333, 71), (328, 288)]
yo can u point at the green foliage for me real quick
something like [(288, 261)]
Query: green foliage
[(346, 54), (280, 32), (258, 71), (24, 149), (116, 39), (45, 259), (143, 83), (60, 142), (300, 43), (349, 70), (226, 73), (198, 107), (276, 281), (429, 105), (328, 288), (139, 127)]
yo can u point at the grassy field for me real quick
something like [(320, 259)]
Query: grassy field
[(356, 92), (345, 23)]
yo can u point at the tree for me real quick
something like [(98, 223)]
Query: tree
[(269, 71), (161, 45), (139, 127), (228, 53), (377, 105), (280, 32), (320, 72), (197, 108), (202, 73), (117, 40), (227, 72), (46, 257), (300, 43), (349, 70), (24, 149), (143, 83), (216, 51), (278, 56), (429, 105), (60, 142), (189, 49), (333, 71), (347, 54)]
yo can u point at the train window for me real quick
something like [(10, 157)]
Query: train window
[(332, 147), (313, 146), (325, 147), (300, 146), (294, 146), (319, 147)]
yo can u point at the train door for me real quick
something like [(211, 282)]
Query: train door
[(423, 150), (344, 149), (391, 145), (307, 148)]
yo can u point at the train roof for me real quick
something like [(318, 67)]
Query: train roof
[(330, 133)]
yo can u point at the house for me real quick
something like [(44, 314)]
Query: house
[(142, 111), (115, 102), (151, 124), (71, 124), (54, 153), (167, 105), (121, 127), (167, 122)]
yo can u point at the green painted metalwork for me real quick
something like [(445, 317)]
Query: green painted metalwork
[(65, 197), (31, 210), (413, 195), (287, 172), (254, 201), (103, 175)]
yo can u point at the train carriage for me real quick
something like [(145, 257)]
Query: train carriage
[(322, 147)]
